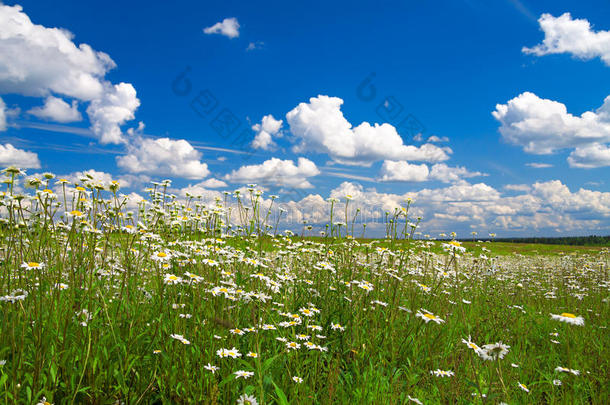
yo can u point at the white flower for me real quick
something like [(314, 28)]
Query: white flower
[(180, 338), (211, 368), (429, 316), (569, 318), (243, 374), (297, 380), (523, 387), (247, 400), (442, 373)]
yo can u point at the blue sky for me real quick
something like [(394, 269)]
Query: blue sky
[(441, 67)]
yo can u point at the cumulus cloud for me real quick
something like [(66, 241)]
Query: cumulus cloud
[(163, 157), (56, 109), (404, 171), (38, 61), (277, 172), (590, 156), (11, 156), (114, 108), (574, 36), (229, 27), (213, 183), (265, 131), (320, 126), (543, 126)]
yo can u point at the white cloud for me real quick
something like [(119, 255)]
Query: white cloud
[(11, 156), (38, 61), (229, 27), (566, 35), (163, 157), (536, 165), (447, 174), (213, 183), (106, 114), (542, 126), (2, 115), (321, 127), (255, 45), (403, 171), (104, 178), (265, 131), (435, 138), (590, 156), (277, 172), (56, 109)]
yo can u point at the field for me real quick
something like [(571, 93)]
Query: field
[(186, 303)]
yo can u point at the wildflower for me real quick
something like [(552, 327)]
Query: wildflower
[(495, 351), (157, 351), (61, 286), (569, 318), (233, 353), (428, 316), (471, 344), (252, 354), (297, 380), (337, 326), (560, 369), (412, 399), (237, 331), (246, 399), (557, 382), (268, 327), (161, 256), (244, 374), (442, 373), (211, 368), (523, 387), (75, 214), (32, 266), (172, 279), (302, 336), (180, 338), (292, 345), (44, 401)]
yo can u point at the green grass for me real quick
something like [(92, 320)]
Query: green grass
[(96, 325)]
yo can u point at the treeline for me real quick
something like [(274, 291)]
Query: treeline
[(591, 240)]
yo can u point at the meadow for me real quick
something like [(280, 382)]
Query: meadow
[(179, 301)]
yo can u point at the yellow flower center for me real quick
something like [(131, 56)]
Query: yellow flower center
[(161, 254), (430, 316), (33, 264), (80, 188), (568, 315), (76, 213)]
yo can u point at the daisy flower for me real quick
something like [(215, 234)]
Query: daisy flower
[(523, 387), (557, 382), (211, 368), (246, 399), (442, 373), (337, 326), (293, 345), (172, 279), (252, 354), (567, 370), (495, 351), (428, 316), (180, 338), (297, 380), (569, 318), (243, 374), (32, 266), (161, 256), (233, 353)]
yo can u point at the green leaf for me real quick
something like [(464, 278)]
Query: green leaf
[(281, 397)]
